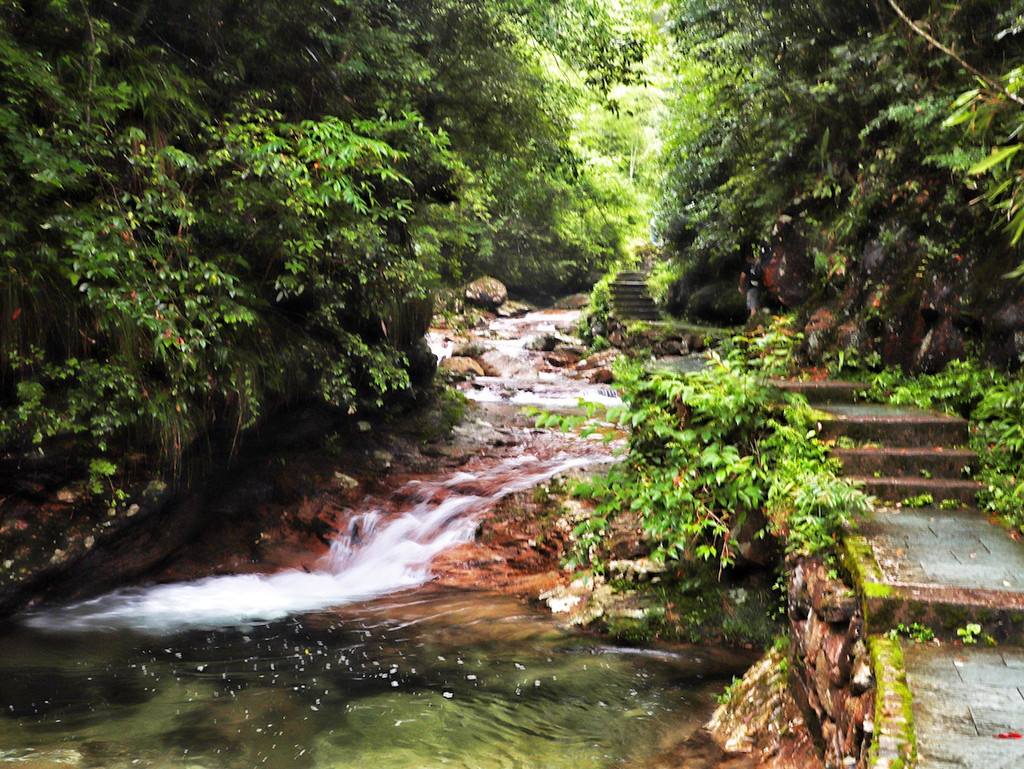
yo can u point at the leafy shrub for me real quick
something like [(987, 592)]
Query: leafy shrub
[(1001, 410), (809, 504), (593, 322), (998, 437), (771, 350), (690, 475), (663, 276), (709, 449), (958, 389)]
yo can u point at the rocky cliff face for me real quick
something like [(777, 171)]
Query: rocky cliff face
[(897, 299)]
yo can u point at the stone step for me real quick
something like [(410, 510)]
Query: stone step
[(893, 427), (639, 284), (962, 698), (631, 299), (940, 568), (651, 315), (895, 490), (635, 309), (631, 295), (641, 296), (635, 305), (906, 462), (823, 391), (644, 298)]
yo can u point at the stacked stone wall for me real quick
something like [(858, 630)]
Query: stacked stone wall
[(830, 667)]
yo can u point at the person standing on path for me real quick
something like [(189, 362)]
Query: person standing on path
[(751, 280)]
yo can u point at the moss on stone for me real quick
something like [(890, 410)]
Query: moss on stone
[(637, 630), (696, 610), (917, 611), (877, 590), (880, 614), (891, 685), (859, 561), (952, 617)]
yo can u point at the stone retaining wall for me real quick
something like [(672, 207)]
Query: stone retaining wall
[(830, 666)]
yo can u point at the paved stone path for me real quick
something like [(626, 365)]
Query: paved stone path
[(956, 548), (968, 705), (967, 701)]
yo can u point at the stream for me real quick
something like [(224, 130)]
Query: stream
[(364, 660)]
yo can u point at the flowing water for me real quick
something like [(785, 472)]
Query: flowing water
[(360, 662)]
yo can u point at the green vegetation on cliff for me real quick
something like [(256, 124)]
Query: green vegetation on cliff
[(858, 136)]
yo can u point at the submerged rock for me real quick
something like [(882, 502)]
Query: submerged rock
[(546, 342)]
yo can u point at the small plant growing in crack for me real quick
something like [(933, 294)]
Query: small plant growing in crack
[(921, 500), (916, 632), (971, 633)]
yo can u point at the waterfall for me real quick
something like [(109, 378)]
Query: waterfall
[(376, 555)]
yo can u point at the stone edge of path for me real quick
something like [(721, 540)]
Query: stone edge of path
[(893, 744)]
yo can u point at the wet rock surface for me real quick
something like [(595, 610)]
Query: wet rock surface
[(828, 656), (759, 727)]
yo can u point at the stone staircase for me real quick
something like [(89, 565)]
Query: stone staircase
[(897, 454), (631, 299), (907, 454), (927, 558)]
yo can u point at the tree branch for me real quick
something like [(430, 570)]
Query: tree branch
[(995, 86)]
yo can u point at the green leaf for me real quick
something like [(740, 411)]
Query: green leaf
[(997, 156)]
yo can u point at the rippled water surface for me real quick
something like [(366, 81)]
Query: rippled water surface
[(424, 679)]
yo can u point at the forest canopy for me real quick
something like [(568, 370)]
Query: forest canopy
[(217, 208)]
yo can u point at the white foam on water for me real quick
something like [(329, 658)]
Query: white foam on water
[(553, 398), (440, 346), (378, 556)]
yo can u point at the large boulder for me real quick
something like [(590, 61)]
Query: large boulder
[(422, 363), (717, 303), (486, 293), (459, 367), (1008, 330), (497, 364)]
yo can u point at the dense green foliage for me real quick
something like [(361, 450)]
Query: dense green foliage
[(716, 459), (216, 209), (845, 123)]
